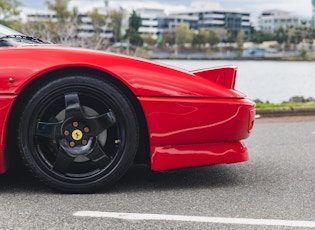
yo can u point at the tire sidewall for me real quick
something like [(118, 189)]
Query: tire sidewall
[(123, 109)]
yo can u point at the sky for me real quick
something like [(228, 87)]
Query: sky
[(302, 8)]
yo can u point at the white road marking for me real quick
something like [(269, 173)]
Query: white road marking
[(204, 219)]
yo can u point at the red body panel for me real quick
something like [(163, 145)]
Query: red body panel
[(193, 118), (5, 106), (196, 121), (172, 157), (225, 76), (180, 128), (144, 78)]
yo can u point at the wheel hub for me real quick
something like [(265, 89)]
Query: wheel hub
[(76, 134)]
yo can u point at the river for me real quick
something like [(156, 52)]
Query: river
[(273, 81)]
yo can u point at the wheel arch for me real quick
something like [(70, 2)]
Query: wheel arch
[(12, 151)]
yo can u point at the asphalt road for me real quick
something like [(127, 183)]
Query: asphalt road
[(277, 183)]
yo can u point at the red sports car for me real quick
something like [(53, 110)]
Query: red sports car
[(81, 118)]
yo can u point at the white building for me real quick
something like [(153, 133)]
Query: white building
[(85, 29), (31, 15), (150, 21), (271, 20), (156, 22), (212, 16)]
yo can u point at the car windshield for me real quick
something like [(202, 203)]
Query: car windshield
[(9, 37)]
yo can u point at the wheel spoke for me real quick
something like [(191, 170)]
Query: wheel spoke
[(62, 162), (46, 129), (73, 106), (99, 123), (98, 155)]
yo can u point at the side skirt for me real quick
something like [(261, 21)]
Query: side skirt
[(181, 156)]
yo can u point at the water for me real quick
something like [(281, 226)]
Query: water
[(273, 81)]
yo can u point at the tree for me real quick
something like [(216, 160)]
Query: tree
[(41, 29), (183, 35), (310, 37), (116, 17), (135, 21), (201, 38), (260, 36), (168, 39), (303, 54), (281, 35), (148, 39), (66, 25), (134, 37), (240, 39), (132, 32), (62, 28), (8, 12), (96, 41), (60, 7), (98, 20), (222, 34), (213, 38)]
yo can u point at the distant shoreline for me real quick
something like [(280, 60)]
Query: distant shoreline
[(228, 59), (285, 112), (195, 55)]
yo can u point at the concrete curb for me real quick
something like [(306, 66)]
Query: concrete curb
[(282, 112)]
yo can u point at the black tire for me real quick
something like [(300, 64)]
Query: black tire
[(78, 134)]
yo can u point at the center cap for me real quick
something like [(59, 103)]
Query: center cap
[(77, 135)]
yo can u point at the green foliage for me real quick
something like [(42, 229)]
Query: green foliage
[(183, 35), (281, 35), (286, 37), (65, 27), (213, 38), (132, 33), (240, 39), (8, 12), (98, 20), (148, 39), (200, 38), (282, 105), (117, 17), (135, 21), (169, 39), (60, 7), (259, 36), (134, 37), (303, 54)]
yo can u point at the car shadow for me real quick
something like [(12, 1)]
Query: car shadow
[(138, 178), (21, 181)]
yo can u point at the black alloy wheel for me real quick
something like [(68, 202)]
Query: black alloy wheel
[(78, 134)]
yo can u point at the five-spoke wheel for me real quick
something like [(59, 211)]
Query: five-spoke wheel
[(78, 133)]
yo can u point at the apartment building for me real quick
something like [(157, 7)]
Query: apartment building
[(212, 16), (85, 28), (156, 22), (271, 20)]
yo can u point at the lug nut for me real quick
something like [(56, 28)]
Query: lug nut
[(86, 130), (66, 133), (84, 142), (75, 124), (72, 144)]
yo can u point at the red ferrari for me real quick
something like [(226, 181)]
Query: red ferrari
[(80, 118)]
